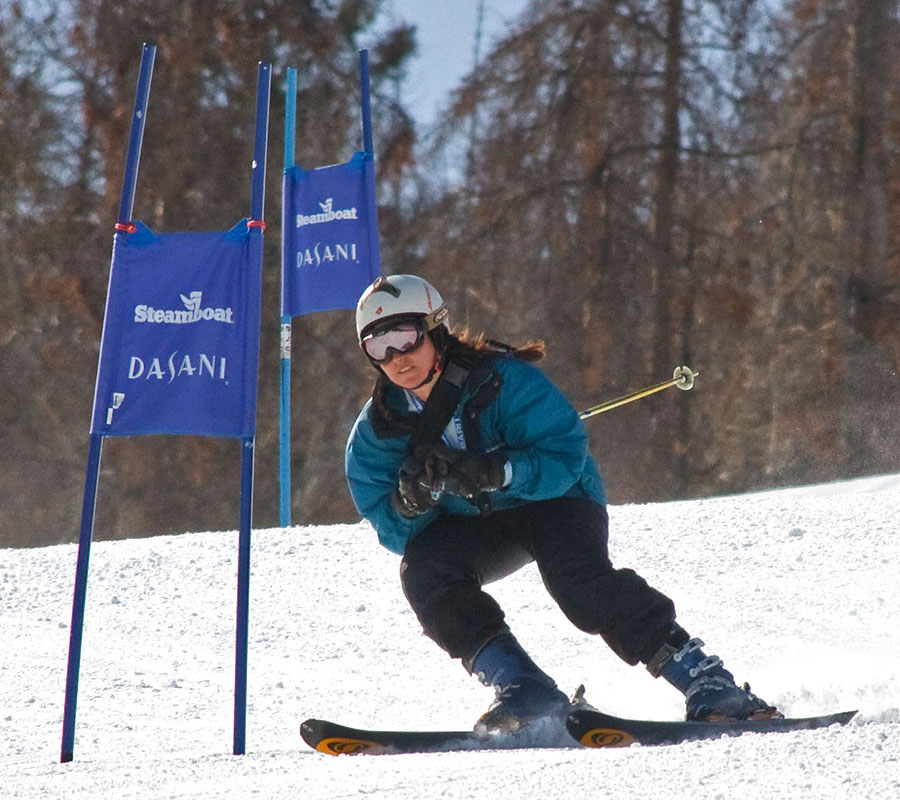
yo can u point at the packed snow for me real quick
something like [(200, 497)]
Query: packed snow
[(798, 590)]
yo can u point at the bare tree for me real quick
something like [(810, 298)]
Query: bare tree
[(194, 175)]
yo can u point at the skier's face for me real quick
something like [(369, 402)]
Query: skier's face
[(408, 370)]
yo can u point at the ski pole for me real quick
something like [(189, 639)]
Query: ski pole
[(683, 378)]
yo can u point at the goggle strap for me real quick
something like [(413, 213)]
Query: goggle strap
[(436, 317)]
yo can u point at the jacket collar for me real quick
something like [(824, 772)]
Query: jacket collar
[(403, 421)]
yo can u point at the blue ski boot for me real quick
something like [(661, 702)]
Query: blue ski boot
[(710, 692), (525, 693)]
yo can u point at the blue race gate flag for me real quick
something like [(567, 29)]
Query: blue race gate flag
[(330, 236), (180, 340), (179, 355)]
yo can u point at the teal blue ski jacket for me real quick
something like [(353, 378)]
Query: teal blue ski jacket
[(508, 405)]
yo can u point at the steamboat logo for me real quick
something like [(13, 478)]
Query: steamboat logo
[(193, 311), (327, 214)]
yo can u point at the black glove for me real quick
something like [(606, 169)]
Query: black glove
[(415, 494), (434, 469), (470, 475), (437, 461)]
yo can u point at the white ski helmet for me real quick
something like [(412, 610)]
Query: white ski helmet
[(399, 296)]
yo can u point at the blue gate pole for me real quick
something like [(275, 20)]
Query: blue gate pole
[(92, 476), (284, 463), (257, 207), (368, 144), (67, 752), (369, 147), (243, 599)]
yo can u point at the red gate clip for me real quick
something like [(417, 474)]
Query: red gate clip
[(126, 227), (257, 223)]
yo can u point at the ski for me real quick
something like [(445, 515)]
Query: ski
[(586, 727), (334, 739), (595, 729)]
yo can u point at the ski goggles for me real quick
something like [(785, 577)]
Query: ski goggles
[(401, 337)]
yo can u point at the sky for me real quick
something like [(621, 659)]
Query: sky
[(446, 38), (797, 590)]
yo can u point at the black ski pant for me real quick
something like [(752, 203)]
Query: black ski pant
[(446, 566)]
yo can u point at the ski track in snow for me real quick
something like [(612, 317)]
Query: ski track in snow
[(798, 590)]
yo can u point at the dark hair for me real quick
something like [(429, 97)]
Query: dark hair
[(464, 343)]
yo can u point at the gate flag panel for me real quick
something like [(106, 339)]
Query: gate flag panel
[(331, 255), (179, 352)]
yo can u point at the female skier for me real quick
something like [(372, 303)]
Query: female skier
[(470, 463)]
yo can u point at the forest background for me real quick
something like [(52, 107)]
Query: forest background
[(641, 183)]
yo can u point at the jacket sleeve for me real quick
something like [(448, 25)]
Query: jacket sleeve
[(371, 466), (541, 433)]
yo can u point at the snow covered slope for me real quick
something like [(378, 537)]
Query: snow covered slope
[(798, 590)]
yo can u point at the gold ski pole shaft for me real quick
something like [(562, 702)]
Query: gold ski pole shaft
[(683, 378)]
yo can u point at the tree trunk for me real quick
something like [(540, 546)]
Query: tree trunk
[(667, 292)]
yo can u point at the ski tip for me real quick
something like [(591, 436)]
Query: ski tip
[(344, 746), (325, 737)]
